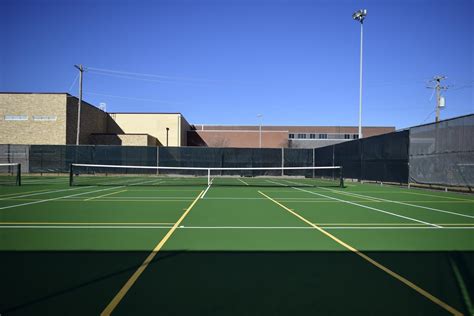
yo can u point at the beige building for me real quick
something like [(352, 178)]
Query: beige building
[(48, 118), (51, 119), (170, 129)]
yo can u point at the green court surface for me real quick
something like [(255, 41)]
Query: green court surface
[(255, 248)]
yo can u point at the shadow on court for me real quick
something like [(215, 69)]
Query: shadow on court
[(234, 283)]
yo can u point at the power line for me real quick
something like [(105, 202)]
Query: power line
[(135, 99), (73, 83), (151, 75)]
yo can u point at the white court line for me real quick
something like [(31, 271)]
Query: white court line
[(228, 227), (207, 189), (370, 208), (57, 198), (281, 184), (299, 184), (40, 193), (402, 203), (101, 196), (242, 181)]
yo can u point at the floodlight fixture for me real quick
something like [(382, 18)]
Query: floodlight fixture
[(360, 15)]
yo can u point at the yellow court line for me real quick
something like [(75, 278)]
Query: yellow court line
[(83, 223), (123, 291), (96, 197), (397, 276)]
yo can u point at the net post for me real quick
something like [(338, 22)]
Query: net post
[(314, 161), (208, 176), (70, 175), (341, 178), (18, 176)]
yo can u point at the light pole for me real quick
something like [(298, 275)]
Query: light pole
[(260, 130), (167, 132), (78, 129), (360, 16)]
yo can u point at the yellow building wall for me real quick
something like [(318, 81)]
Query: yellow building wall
[(154, 124), (44, 118)]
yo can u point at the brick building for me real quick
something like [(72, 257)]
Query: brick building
[(277, 136)]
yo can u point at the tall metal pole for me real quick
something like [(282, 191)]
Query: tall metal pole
[(360, 16), (78, 129), (360, 77), (167, 132)]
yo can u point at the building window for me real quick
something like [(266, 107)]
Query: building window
[(347, 136), (291, 136), (45, 118), (323, 136), (301, 136), (312, 136), (16, 117), (355, 136)]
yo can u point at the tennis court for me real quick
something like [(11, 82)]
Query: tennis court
[(247, 247)]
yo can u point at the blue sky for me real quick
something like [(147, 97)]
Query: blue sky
[(296, 62)]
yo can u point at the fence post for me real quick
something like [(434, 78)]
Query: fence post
[(282, 161)]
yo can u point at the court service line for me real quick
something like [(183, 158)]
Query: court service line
[(242, 181), (40, 193), (432, 195), (85, 223), (56, 198), (402, 203), (370, 208), (123, 291), (9, 195), (96, 197), (90, 227), (397, 276), (280, 184), (366, 198)]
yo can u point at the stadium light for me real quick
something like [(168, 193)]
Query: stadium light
[(360, 16), (260, 130)]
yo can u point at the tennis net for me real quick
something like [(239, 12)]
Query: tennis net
[(90, 174), (10, 174)]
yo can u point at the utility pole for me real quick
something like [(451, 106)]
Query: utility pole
[(78, 129), (438, 87)]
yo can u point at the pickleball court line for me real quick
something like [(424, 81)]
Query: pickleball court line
[(397, 276)]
